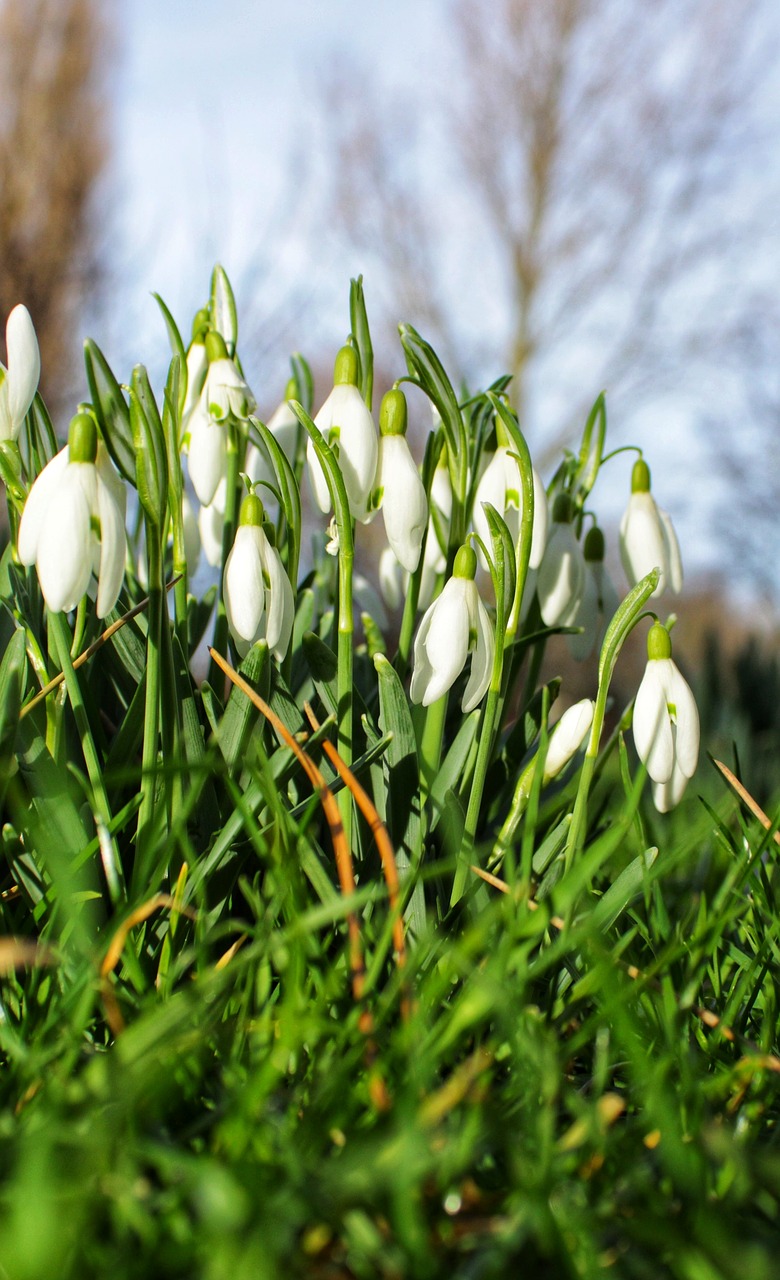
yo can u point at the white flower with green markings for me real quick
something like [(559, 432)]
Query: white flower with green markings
[(501, 486), (666, 722), (73, 524), (561, 581), (345, 422), (399, 491), (19, 382), (455, 625), (258, 596), (225, 395), (647, 536)]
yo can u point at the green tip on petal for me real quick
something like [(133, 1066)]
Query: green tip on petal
[(345, 369), (593, 547), (215, 346), (252, 512), (82, 439), (392, 414), (465, 565), (659, 644), (563, 509), (640, 477)]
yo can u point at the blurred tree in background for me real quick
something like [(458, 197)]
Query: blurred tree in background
[(53, 148), (586, 202)]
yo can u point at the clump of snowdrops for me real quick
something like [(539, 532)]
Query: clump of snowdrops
[(488, 559)]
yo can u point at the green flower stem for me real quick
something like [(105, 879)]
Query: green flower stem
[(485, 735), (619, 629), (228, 535), (112, 866), (146, 813)]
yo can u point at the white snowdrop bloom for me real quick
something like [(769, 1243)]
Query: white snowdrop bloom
[(398, 490), (501, 486), (225, 394), (259, 599), (197, 367), (455, 625), (346, 423), (647, 537), (206, 444), (567, 736), (599, 600), (73, 524), (211, 522), (391, 579), (561, 579), (666, 722), (19, 382)]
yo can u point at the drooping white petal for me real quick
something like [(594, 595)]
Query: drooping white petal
[(244, 588), (66, 540), (24, 365), (113, 539), (38, 504), (685, 716), (561, 577), (197, 367), (280, 602), (568, 736), (653, 735), (674, 569), (207, 454), (285, 427), (404, 504), (442, 644), (211, 523), (541, 521), (643, 544), (191, 535), (491, 489), (482, 656), (668, 794), (390, 578)]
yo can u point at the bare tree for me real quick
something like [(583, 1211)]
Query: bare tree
[(582, 204), (53, 146)]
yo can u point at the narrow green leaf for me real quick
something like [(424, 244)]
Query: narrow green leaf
[(111, 410)]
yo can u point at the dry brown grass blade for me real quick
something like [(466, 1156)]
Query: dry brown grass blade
[(330, 808), (24, 953), (117, 944), (380, 834), (747, 799), (89, 651)]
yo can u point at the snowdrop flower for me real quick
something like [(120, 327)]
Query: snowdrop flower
[(258, 596), (19, 382), (567, 736), (211, 522), (561, 580), (399, 491), (598, 602), (73, 523), (391, 579), (345, 421), (284, 427), (502, 487), (225, 395), (647, 537), (666, 723), (455, 625), (197, 365)]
